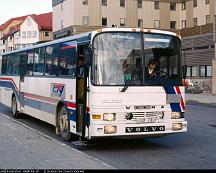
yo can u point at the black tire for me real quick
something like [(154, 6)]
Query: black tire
[(64, 124), (14, 110)]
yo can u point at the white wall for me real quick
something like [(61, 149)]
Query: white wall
[(29, 25), (64, 11)]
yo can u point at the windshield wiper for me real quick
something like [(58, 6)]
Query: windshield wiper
[(124, 89)]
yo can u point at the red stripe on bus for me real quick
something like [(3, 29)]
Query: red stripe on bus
[(182, 101), (41, 98), (10, 79), (73, 106)]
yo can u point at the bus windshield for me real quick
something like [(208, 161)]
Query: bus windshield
[(136, 59)]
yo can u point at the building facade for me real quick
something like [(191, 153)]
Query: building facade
[(72, 17), (25, 31)]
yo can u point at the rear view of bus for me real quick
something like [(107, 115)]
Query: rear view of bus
[(124, 98)]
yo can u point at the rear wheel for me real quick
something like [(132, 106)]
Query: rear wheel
[(64, 124), (15, 113)]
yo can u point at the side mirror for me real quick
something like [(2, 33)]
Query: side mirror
[(184, 71)]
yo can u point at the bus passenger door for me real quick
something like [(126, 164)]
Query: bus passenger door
[(23, 58), (81, 93)]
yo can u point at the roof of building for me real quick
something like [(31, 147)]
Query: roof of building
[(44, 22), (8, 22)]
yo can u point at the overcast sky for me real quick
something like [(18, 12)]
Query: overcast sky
[(15, 8)]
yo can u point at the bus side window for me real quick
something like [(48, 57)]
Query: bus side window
[(39, 62), (68, 59), (51, 58), (23, 65), (4, 64), (16, 64), (9, 65), (30, 62)]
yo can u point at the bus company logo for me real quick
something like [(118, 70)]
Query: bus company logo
[(58, 90)]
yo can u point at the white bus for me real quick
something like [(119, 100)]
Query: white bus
[(97, 98)]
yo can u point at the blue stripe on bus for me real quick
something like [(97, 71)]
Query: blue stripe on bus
[(43, 106), (47, 107), (175, 107)]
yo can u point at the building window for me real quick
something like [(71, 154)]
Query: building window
[(85, 20), (194, 3), (207, 1), (23, 34), (183, 24), (29, 34), (104, 2), (122, 22), (191, 71), (172, 24), (207, 19), (34, 34), (140, 23), (85, 2), (122, 3), (140, 3), (195, 22), (157, 24), (184, 5), (104, 21), (156, 5), (172, 6), (47, 34), (205, 71)]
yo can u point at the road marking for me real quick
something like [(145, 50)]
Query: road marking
[(55, 140)]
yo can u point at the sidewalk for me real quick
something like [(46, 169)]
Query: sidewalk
[(207, 99), (23, 148)]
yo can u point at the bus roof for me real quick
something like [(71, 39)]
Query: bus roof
[(137, 30), (88, 34)]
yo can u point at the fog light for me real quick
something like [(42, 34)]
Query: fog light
[(108, 117), (175, 115), (176, 126), (110, 129)]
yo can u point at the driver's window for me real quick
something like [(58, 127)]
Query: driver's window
[(163, 64)]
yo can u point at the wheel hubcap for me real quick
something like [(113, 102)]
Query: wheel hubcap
[(63, 122)]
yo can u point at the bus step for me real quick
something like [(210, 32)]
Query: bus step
[(80, 143)]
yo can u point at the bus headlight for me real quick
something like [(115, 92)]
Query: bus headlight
[(110, 129), (175, 115), (108, 117)]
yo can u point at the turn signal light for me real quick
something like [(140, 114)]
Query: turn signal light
[(96, 117)]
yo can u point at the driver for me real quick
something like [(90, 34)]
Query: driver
[(151, 68)]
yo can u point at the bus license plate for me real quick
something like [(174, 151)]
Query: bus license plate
[(146, 120)]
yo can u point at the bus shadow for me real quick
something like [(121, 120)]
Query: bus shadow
[(118, 144)]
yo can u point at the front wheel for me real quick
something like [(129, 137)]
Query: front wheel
[(15, 112), (64, 125)]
